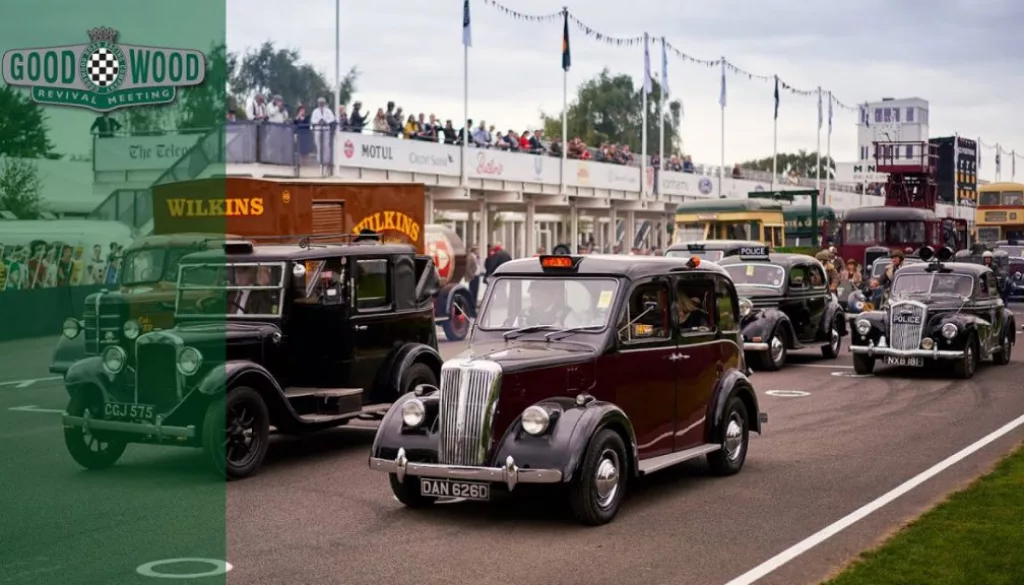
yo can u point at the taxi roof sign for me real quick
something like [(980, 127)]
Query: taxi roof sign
[(696, 247), (559, 262), (753, 253)]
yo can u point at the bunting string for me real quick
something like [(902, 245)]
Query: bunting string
[(604, 38), (692, 59), (555, 16), (751, 76)]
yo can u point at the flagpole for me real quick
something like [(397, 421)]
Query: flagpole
[(956, 168), (721, 160), (565, 98), (337, 55), (775, 137), (828, 149), (643, 116), (817, 171), (661, 116)]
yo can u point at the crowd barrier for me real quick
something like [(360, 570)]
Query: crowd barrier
[(40, 312)]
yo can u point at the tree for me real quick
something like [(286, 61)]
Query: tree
[(20, 188), (23, 127), (269, 70), (205, 106), (801, 163), (609, 109)]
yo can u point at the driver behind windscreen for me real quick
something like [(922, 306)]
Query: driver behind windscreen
[(252, 302), (547, 306)]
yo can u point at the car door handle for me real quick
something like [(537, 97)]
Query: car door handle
[(678, 356), (360, 327)]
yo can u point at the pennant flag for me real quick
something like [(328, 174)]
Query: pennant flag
[(566, 55), (998, 162), (820, 117), (776, 97), (647, 66), (830, 112), (664, 68), (467, 31), (721, 97)]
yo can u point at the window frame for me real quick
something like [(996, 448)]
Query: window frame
[(354, 274), (811, 269), (624, 317), (705, 282)]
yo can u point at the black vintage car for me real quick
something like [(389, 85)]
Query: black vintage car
[(298, 337), (938, 311), (583, 373), (711, 250), (785, 305)]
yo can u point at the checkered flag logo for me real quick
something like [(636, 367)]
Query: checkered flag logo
[(103, 67)]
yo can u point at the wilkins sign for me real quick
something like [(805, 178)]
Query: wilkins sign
[(103, 75)]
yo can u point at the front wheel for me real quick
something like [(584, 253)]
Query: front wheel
[(773, 359), (965, 367), (416, 374), (863, 365), (729, 459), (600, 484), (456, 328), (1003, 357), (87, 449), (835, 342), (236, 433)]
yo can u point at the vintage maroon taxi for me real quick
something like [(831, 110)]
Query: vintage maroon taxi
[(583, 371)]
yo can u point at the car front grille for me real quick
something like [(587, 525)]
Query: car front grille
[(156, 375), (102, 324), (906, 336), (469, 393)]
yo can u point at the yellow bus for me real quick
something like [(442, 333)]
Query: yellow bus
[(1000, 212), (731, 219)]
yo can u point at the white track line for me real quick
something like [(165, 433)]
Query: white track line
[(821, 366), (835, 528), (18, 384)]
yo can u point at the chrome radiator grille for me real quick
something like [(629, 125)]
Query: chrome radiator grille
[(469, 393), (903, 335)]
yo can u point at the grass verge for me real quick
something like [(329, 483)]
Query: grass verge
[(976, 537)]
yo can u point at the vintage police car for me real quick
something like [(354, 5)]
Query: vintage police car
[(710, 250), (584, 372), (298, 337), (938, 311), (785, 305)]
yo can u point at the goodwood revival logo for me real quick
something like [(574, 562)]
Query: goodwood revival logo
[(103, 75)]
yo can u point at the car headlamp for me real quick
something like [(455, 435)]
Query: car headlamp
[(71, 328), (413, 412), (114, 359), (745, 307), (863, 326), (189, 361), (536, 420), (131, 329), (950, 330)]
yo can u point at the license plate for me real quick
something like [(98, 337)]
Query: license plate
[(916, 362), (127, 411), (446, 488)]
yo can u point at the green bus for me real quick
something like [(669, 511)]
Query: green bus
[(730, 219), (799, 230)]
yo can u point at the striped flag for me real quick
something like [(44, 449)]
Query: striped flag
[(467, 31), (566, 55)]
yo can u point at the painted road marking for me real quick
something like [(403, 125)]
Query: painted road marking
[(34, 408), (851, 375), (149, 569), (821, 366), (787, 393), (19, 384), (835, 528)]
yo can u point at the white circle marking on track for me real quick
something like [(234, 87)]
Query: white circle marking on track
[(851, 375), (148, 569), (788, 393)]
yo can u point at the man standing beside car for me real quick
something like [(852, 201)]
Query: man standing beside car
[(890, 271)]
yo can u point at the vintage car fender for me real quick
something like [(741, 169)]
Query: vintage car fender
[(765, 323), (565, 444), (236, 372), (966, 322), (732, 383), (833, 309), (67, 352), (89, 372), (420, 444), (877, 321), (390, 376), (447, 295)]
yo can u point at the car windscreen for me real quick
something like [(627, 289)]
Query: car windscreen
[(151, 265), (230, 289), (757, 274), (558, 302), (932, 283)]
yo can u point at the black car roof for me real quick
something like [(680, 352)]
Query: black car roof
[(954, 267), (631, 267), (715, 245), (888, 213), (278, 253), (786, 259)]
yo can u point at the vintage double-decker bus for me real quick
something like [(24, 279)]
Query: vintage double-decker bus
[(1000, 212), (867, 233), (800, 228), (731, 219)]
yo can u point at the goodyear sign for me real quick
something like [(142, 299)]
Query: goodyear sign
[(103, 75)]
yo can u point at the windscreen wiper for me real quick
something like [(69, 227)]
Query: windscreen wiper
[(524, 330), (555, 335)]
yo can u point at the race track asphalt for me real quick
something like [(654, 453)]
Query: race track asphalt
[(316, 514)]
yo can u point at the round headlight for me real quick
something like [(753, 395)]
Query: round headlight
[(131, 329), (863, 326), (949, 330), (413, 412), (927, 343), (536, 420), (1018, 275), (745, 307), (189, 360), (859, 305), (113, 359), (70, 328)]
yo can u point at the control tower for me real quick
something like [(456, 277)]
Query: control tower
[(912, 170)]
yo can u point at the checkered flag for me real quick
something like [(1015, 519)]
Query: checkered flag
[(103, 67)]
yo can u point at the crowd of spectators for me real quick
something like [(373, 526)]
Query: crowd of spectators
[(392, 120)]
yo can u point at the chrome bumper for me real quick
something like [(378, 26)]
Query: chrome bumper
[(150, 429), (935, 353), (510, 474), (751, 346)]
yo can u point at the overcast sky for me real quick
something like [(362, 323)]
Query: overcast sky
[(960, 55)]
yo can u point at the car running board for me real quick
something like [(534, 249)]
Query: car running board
[(368, 412), (663, 461)]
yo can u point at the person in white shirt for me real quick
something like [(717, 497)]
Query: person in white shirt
[(321, 121), (548, 307), (277, 113), (257, 111)]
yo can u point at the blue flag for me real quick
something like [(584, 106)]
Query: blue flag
[(467, 31), (776, 97), (566, 55)]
